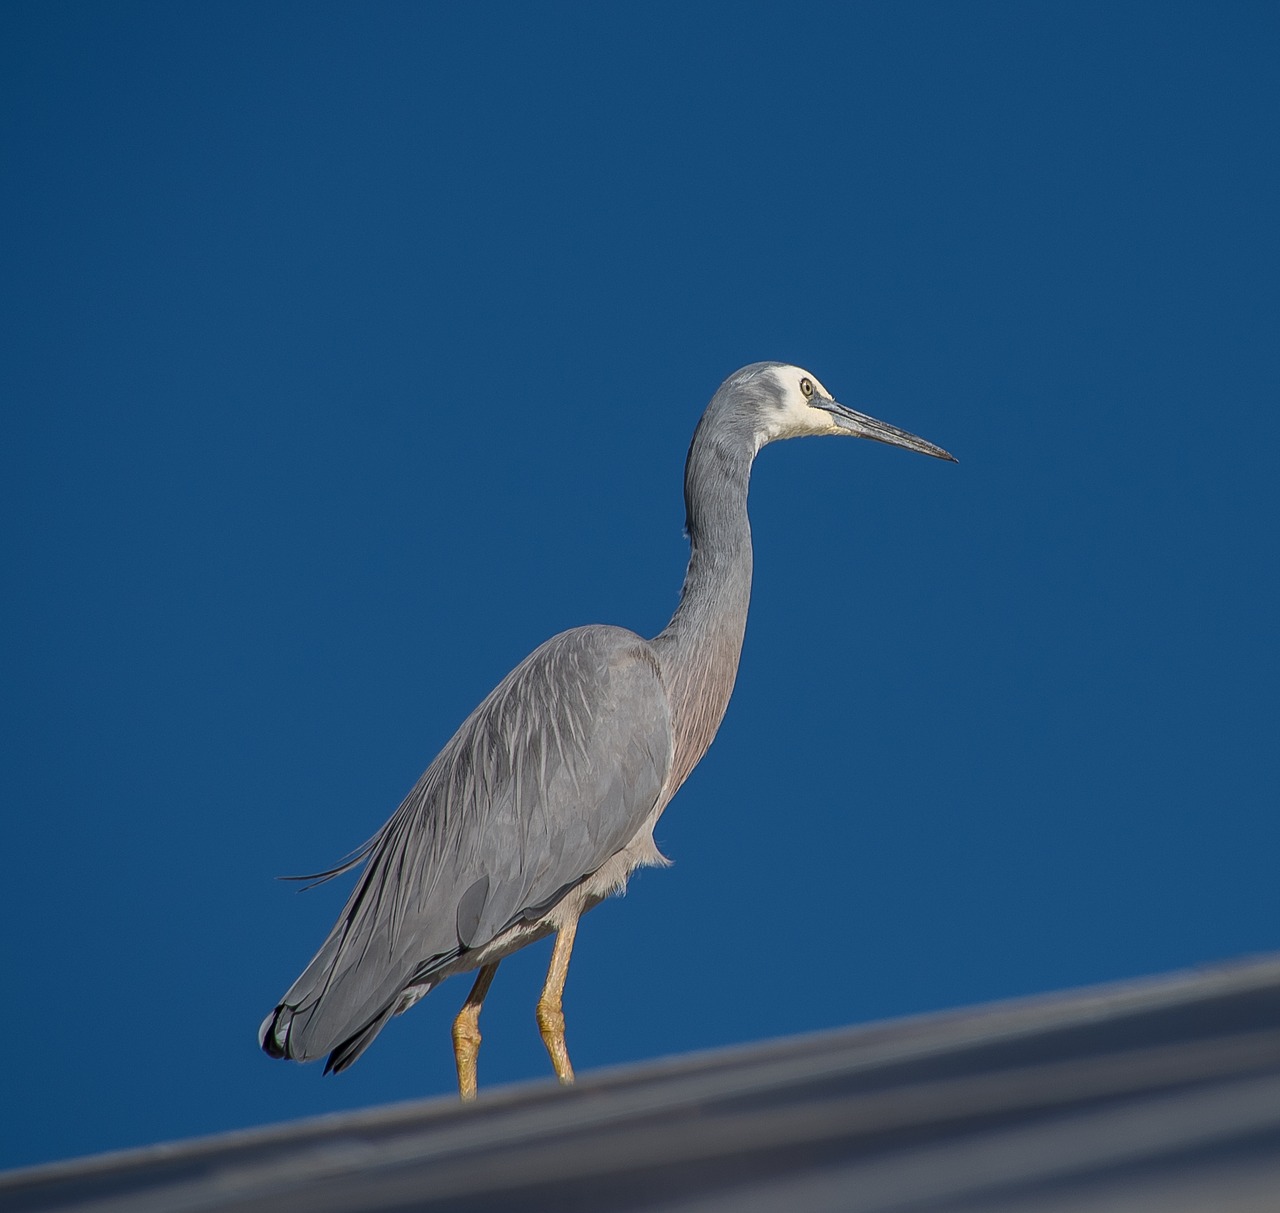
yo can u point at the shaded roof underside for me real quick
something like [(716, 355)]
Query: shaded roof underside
[(1160, 1094)]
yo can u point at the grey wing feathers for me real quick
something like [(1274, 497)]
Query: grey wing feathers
[(554, 773)]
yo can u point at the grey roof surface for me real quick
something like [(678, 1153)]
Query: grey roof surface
[(1154, 1095)]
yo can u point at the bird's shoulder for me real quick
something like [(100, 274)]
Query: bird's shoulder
[(595, 657), (571, 703)]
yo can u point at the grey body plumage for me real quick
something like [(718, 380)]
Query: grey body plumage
[(546, 797)]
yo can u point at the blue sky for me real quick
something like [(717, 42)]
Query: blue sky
[(354, 350)]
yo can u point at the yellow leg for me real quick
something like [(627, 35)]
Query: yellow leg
[(466, 1033), (550, 1012)]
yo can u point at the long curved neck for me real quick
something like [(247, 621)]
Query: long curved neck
[(699, 649)]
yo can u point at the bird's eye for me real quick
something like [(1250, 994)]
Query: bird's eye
[(806, 386)]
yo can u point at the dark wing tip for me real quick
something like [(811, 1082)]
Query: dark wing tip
[(353, 1046), (269, 1035)]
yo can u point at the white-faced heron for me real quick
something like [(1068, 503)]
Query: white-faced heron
[(545, 800)]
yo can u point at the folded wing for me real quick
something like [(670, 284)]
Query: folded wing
[(553, 774)]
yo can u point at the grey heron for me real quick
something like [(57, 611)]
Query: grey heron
[(545, 800)]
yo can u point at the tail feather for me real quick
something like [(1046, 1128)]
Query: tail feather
[(298, 1029), (357, 979), (330, 1009), (334, 997), (274, 1038)]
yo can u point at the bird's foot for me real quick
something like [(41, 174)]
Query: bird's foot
[(551, 1028)]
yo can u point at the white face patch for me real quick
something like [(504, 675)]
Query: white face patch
[(797, 418)]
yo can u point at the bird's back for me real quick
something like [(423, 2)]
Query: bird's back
[(552, 775)]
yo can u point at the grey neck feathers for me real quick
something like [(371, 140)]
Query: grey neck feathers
[(699, 649)]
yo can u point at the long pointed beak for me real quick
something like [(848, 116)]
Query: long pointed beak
[(862, 426)]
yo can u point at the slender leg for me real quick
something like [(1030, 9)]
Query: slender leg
[(466, 1032), (550, 1012)]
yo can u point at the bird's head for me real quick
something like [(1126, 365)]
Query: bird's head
[(788, 402)]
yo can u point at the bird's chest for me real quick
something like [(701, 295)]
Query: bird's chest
[(698, 706)]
